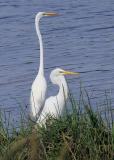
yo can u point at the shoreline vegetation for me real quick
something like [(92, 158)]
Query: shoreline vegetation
[(81, 134)]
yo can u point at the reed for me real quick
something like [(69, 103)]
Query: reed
[(81, 134)]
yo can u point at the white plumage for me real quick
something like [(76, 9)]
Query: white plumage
[(54, 105), (39, 86)]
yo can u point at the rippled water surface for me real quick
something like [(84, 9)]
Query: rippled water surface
[(80, 39)]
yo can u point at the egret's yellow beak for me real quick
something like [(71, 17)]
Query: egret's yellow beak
[(50, 14), (70, 73)]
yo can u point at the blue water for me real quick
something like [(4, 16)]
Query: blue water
[(80, 39)]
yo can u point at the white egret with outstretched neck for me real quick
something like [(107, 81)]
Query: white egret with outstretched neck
[(39, 85), (54, 105)]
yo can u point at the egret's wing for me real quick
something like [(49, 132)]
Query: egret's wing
[(37, 103), (50, 109), (40, 111)]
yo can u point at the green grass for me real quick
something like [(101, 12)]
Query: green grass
[(82, 134)]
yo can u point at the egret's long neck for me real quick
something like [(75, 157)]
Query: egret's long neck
[(63, 90), (41, 67)]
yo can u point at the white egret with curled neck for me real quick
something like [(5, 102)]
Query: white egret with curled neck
[(54, 105), (39, 85)]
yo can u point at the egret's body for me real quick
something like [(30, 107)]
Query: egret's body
[(39, 86), (38, 94), (54, 105)]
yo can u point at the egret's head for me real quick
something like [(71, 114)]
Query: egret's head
[(58, 74), (43, 14)]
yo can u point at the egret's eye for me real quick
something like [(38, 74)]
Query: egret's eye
[(61, 72)]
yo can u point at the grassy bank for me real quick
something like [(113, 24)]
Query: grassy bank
[(82, 134)]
